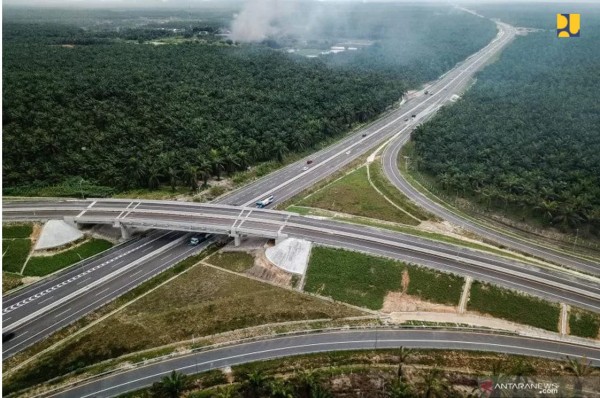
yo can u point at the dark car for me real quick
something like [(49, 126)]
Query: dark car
[(309, 161), (364, 135), (7, 336), (414, 115)]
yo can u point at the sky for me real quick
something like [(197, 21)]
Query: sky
[(191, 3)]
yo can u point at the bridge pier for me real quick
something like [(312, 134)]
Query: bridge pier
[(237, 240)]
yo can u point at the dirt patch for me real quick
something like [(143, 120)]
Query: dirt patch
[(445, 228), (401, 302), (35, 234), (263, 269), (405, 281), (64, 248)]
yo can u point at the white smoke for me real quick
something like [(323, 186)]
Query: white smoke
[(260, 19)]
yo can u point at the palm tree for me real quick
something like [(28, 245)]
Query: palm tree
[(217, 161), (304, 383), (278, 389), (173, 174), (173, 385), (580, 369), (204, 169), (434, 384), (227, 392), (403, 355), (400, 389), (191, 173), (255, 385)]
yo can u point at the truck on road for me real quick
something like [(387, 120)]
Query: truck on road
[(265, 202)]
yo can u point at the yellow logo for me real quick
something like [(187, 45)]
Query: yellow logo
[(567, 25)]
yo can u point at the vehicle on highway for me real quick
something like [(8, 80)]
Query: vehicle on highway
[(348, 152), (364, 135), (309, 161), (265, 202), (194, 241), (406, 120), (414, 115), (7, 336), (305, 168)]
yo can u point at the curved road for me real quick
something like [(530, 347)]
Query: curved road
[(133, 379)]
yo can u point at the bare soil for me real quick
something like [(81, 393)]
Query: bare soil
[(265, 270), (401, 302)]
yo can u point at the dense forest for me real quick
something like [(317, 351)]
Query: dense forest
[(526, 137), (105, 109)]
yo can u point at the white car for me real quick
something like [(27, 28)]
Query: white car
[(348, 152), (305, 168)]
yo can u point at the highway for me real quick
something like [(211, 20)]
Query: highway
[(291, 180), (40, 309), (392, 172), (554, 284), (143, 376)]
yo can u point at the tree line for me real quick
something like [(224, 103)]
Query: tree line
[(120, 115), (526, 137)]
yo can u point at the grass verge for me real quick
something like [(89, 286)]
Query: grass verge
[(10, 281), (14, 254), (44, 265), (16, 231), (232, 261), (354, 195), (584, 323), (365, 280), (513, 306), (391, 192), (201, 302)]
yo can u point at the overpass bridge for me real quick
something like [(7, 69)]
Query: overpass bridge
[(555, 284)]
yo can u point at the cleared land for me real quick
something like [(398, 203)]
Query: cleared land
[(513, 306), (201, 302), (364, 280), (353, 194), (232, 261), (44, 265), (584, 323)]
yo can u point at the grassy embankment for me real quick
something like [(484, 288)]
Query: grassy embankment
[(44, 265), (201, 302), (232, 261), (584, 323), (513, 306), (364, 280)]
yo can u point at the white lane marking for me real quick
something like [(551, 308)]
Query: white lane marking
[(67, 310), (86, 209), (83, 281), (76, 277), (102, 291), (427, 342), (124, 288), (46, 299)]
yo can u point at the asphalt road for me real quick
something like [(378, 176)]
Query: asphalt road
[(555, 284), (392, 172), (39, 310), (133, 379)]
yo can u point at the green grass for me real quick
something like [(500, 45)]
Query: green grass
[(14, 254), (44, 265), (353, 194), (17, 231), (201, 302), (306, 211), (435, 286), (365, 280), (513, 306), (584, 323), (10, 281), (232, 261), (391, 192)]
